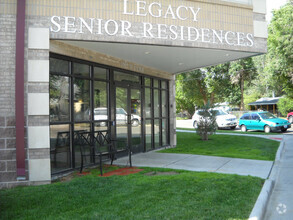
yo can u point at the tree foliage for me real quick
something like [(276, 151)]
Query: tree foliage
[(206, 125), (206, 85), (242, 71), (280, 48), (285, 105)]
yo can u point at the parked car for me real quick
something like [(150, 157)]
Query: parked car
[(290, 117), (121, 116), (263, 121), (223, 119)]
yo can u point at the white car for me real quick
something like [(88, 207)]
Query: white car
[(223, 119), (121, 116)]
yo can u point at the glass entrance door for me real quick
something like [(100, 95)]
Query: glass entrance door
[(128, 117)]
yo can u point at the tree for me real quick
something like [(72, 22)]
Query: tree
[(241, 71), (198, 87), (280, 47), (285, 105), (191, 91), (206, 126)]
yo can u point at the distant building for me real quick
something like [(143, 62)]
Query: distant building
[(266, 104)]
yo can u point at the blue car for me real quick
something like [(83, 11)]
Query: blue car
[(264, 121)]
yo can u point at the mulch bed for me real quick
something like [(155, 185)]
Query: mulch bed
[(122, 171)]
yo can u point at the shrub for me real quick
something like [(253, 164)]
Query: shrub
[(285, 105), (207, 124)]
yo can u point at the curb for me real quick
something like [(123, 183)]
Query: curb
[(261, 203), (280, 150)]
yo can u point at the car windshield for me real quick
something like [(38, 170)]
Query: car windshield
[(267, 115), (218, 112)]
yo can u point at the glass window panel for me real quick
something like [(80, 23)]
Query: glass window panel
[(156, 83), (84, 130), (81, 100), (104, 125), (136, 121), (157, 133), (60, 153), (59, 98), (164, 84), (147, 81), (124, 77), (81, 69), (148, 135), (156, 103), (100, 73), (121, 114), (164, 103), (100, 100), (58, 66), (164, 131), (148, 105)]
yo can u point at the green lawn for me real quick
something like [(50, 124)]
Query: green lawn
[(187, 195), (226, 146)]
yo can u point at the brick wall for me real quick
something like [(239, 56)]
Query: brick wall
[(8, 176)]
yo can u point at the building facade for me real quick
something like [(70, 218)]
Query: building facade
[(70, 66)]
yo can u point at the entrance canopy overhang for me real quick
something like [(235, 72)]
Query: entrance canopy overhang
[(171, 59)]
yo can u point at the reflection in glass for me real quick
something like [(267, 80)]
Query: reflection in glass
[(101, 126), (81, 69), (100, 101), (58, 66), (100, 73), (164, 84), (81, 100), (147, 81), (156, 83), (124, 77), (164, 104), (60, 147), (136, 121), (121, 114), (157, 133), (148, 105), (164, 132), (82, 129), (156, 103), (148, 135), (59, 98)]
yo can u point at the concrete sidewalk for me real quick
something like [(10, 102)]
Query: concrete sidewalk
[(200, 163), (280, 204)]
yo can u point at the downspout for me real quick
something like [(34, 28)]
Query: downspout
[(19, 89)]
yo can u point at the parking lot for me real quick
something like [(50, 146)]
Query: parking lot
[(188, 124)]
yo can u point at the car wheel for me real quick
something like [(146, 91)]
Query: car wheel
[(134, 122), (267, 129), (284, 129), (291, 119), (195, 124), (233, 127), (243, 128)]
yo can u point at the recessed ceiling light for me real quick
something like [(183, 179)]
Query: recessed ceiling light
[(180, 64), (147, 52), (227, 55)]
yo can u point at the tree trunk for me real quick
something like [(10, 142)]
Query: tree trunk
[(212, 98), (242, 91), (203, 93)]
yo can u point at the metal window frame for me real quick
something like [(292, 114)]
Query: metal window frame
[(111, 86)]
